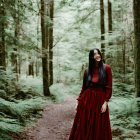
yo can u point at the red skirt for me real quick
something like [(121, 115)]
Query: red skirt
[(89, 123)]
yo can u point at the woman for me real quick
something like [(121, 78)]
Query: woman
[(92, 120)]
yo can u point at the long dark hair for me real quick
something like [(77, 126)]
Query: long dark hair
[(91, 66)]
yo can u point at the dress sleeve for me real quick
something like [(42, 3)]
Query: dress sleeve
[(82, 87), (108, 87)]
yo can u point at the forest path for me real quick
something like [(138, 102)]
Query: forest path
[(56, 121)]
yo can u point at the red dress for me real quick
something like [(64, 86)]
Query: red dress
[(89, 123)]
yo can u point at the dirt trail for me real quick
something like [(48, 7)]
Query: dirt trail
[(56, 121)]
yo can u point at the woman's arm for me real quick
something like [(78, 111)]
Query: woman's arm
[(108, 87)]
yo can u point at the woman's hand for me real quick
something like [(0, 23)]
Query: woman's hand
[(104, 106), (76, 106)]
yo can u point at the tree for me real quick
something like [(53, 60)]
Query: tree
[(51, 42), (136, 8), (31, 66), (109, 19), (102, 26), (2, 35), (47, 40), (14, 58), (44, 53)]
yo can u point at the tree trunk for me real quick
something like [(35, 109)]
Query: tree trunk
[(37, 56), (102, 26), (44, 58), (51, 42), (14, 57), (109, 19), (47, 42), (137, 44), (136, 8), (2, 37), (19, 64), (36, 66), (30, 69), (124, 52), (31, 66)]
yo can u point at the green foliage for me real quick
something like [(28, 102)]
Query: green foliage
[(80, 32), (4, 136), (17, 105), (76, 31)]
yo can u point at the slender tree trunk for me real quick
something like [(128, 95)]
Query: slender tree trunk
[(44, 58), (102, 26), (30, 69), (31, 66), (47, 42), (124, 51), (51, 42), (14, 57), (136, 8), (2, 36), (109, 19), (37, 57), (19, 64), (36, 66)]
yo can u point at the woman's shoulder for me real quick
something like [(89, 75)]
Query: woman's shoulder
[(85, 71), (107, 66)]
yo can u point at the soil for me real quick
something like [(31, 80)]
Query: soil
[(56, 121)]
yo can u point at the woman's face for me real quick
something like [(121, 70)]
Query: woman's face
[(97, 56)]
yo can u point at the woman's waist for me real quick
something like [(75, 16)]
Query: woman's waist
[(96, 85)]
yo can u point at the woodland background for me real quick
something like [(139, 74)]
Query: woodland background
[(44, 47)]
